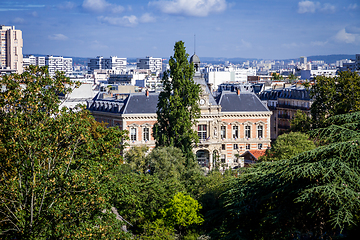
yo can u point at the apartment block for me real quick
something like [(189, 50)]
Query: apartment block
[(60, 64), (154, 64), (32, 60), (11, 44), (112, 63)]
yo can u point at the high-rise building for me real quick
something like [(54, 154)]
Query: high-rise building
[(60, 64), (113, 63), (154, 64), (303, 60), (11, 44), (357, 62), (32, 60)]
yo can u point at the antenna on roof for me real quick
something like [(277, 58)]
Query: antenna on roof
[(194, 44)]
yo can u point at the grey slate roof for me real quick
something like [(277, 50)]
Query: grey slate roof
[(271, 94), (139, 103), (194, 59), (201, 81), (288, 93), (296, 93), (246, 102)]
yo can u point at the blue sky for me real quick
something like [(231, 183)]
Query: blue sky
[(266, 29)]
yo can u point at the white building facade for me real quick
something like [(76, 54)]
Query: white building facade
[(11, 44), (112, 63), (217, 76), (60, 64), (154, 64)]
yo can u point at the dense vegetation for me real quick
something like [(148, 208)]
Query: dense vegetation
[(55, 164), (62, 176)]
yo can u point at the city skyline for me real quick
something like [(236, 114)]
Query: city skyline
[(245, 29)]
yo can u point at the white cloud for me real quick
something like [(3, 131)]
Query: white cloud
[(34, 14), (67, 6), (352, 6), (244, 44), (146, 18), (18, 20), (307, 7), (58, 36), (101, 6), (318, 43), (198, 8), (327, 7), (345, 37), (312, 7), (126, 21)]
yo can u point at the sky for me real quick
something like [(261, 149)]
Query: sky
[(263, 29)]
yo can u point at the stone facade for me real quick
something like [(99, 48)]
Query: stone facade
[(230, 124)]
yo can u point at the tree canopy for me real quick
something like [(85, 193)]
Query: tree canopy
[(55, 164), (177, 108), (335, 95), (314, 194), (288, 145)]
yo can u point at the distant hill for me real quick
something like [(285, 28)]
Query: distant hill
[(331, 58)]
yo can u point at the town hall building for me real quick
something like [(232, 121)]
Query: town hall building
[(230, 124)]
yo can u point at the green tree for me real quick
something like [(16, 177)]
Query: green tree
[(288, 145), (292, 76), (157, 230), (136, 158), (178, 108), (140, 197), (55, 164), (276, 76), (332, 96), (167, 163), (301, 122), (182, 211), (314, 194)]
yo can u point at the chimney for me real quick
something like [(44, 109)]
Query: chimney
[(238, 92), (147, 93)]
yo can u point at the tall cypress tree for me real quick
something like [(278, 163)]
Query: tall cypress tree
[(177, 108)]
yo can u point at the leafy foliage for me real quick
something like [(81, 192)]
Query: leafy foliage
[(182, 211), (167, 163), (157, 230), (55, 164), (288, 145), (301, 122), (314, 194), (139, 197), (338, 95), (276, 76), (136, 158), (178, 108)]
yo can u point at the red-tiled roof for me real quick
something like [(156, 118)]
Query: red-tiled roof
[(255, 153), (258, 153)]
